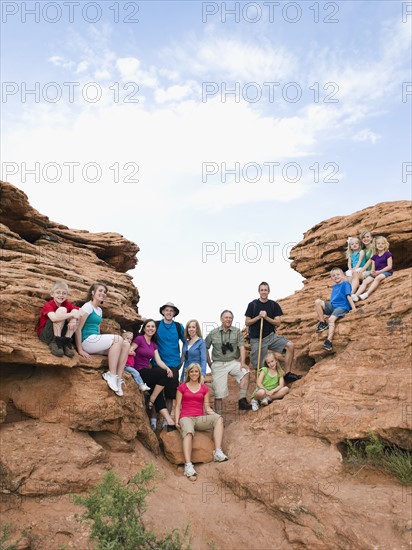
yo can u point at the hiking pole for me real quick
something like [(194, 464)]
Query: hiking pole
[(260, 348)]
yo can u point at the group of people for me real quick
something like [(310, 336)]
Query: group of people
[(154, 357), (369, 263)]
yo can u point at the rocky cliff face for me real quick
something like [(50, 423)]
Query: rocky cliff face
[(285, 485)]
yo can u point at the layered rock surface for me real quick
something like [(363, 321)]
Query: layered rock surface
[(285, 485)]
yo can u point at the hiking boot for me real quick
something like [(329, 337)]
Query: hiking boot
[(322, 326), (291, 377), (56, 346), (327, 345), (189, 470), (244, 405), (68, 347), (219, 456), (255, 405), (111, 380)]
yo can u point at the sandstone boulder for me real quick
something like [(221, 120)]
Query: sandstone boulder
[(48, 459), (202, 450)]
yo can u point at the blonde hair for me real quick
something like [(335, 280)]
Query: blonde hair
[(334, 269), (279, 369), (198, 331), (127, 334), (362, 235), (380, 238), (190, 368), (60, 285), (349, 250)]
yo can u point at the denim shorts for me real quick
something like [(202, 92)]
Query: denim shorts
[(336, 312), (386, 273)]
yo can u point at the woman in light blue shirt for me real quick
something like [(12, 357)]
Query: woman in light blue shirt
[(194, 349)]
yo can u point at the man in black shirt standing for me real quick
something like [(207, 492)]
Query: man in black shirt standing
[(270, 311)]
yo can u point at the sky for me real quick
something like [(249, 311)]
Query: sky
[(212, 134)]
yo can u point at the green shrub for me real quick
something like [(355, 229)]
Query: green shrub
[(115, 514), (4, 537), (375, 452)]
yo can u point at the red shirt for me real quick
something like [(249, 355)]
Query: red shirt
[(192, 402), (51, 307)]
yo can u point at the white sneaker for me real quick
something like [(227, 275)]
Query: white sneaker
[(111, 380), (189, 470), (355, 297), (153, 423), (119, 387), (219, 456), (144, 387), (255, 405), (363, 296), (264, 402)]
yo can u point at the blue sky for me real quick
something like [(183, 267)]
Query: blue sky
[(132, 128)]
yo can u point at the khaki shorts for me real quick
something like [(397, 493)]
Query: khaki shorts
[(189, 424), (220, 371)]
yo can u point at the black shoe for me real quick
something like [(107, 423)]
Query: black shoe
[(244, 405), (291, 377), (68, 347), (56, 346), (171, 428), (327, 345), (322, 326)]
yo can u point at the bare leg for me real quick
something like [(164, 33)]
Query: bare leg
[(260, 394), (218, 433), (156, 391), (364, 285), (72, 327), (319, 308), (281, 393), (355, 282), (114, 354), (167, 417), (376, 281), (187, 447), (331, 330), (121, 363), (244, 383), (290, 351)]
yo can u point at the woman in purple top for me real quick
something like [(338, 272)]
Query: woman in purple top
[(382, 263), (145, 349)]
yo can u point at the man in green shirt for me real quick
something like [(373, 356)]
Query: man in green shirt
[(228, 357)]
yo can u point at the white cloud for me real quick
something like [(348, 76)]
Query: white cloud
[(366, 135), (233, 59), (130, 71), (173, 93)]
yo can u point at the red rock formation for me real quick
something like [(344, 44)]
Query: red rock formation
[(285, 485)]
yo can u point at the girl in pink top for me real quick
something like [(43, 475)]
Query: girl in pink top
[(194, 413)]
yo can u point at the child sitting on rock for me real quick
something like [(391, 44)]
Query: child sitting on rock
[(128, 336), (382, 262), (355, 256), (340, 303), (58, 321), (270, 384)]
